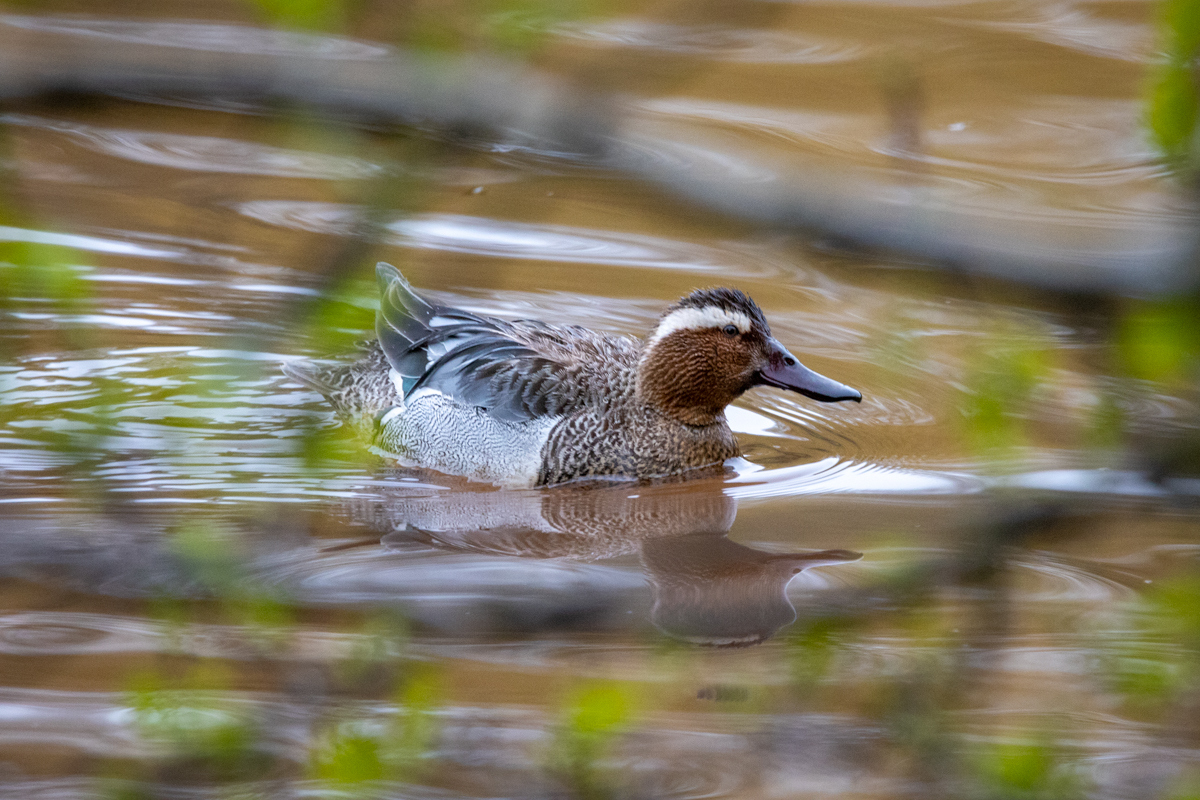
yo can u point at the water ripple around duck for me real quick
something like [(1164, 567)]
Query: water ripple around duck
[(480, 236), (1087, 171), (714, 42), (1048, 578), (1070, 25), (834, 475), (437, 578), (204, 153)]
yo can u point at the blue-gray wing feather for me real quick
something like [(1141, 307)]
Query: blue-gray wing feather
[(517, 371)]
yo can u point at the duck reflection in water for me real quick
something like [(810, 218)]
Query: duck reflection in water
[(706, 588)]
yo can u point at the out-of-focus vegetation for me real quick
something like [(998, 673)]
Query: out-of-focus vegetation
[(514, 27), (1003, 385), (1172, 99), (593, 717), (322, 15)]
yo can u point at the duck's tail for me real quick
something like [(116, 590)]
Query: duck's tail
[(406, 325), (403, 314), (403, 324), (312, 376), (413, 332), (359, 392)]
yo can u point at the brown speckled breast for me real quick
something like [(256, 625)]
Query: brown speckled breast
[(632, 440)]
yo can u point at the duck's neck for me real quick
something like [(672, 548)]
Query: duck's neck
[(679, 387)]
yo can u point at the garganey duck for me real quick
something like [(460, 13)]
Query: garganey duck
[(524, 403)]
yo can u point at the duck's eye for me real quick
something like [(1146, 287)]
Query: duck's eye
[(730, 330)]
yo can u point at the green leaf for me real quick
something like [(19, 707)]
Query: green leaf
[(1160, 341), (1021, 766), (1176, 603), (1144, 675), (813, 652), (34, 272), (1033, 770), (1185, 787), (1172, 107), (348, 758), (592, 719), (1001, 382), (600, 709), (1180, 21), (416, 727), (320, 15)]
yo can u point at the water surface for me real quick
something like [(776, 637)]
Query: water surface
[(191, 543)]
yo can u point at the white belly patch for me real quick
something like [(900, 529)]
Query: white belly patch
[(436, 431)]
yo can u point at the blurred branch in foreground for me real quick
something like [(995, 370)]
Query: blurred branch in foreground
[(488, 96)]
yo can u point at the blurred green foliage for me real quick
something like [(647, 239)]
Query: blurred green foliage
[(212, 555), (514, 27), (1154, 661), (340, 320), (377, 646), (33, 273), (1173, 605), (1031, 769), (592, 718), (1180, 21), (345, 313), (349, 754), (1185, 787), (196, 723), (318, 15), (416, 728), (813, 649), (1002, 381), (37, 274), (1160, 341), (1172, 112), (600, 710), (1171, 102), (1143, 673), (523, 26), (39, 278), (360, 752), (1105, 426)]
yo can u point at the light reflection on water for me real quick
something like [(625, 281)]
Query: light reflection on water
[(500, 239), (194, 35), (715, 42), (204, 153)]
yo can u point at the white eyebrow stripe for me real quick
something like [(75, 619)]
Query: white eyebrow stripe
[(682, 319)]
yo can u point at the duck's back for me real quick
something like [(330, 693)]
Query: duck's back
[(491, 420)]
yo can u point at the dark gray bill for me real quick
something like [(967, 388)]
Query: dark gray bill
[(786, 372)]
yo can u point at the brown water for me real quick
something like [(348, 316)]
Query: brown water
[(190, 546)]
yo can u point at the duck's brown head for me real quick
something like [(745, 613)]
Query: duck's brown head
[(712, 346)]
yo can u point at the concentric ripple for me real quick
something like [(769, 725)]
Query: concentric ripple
[(496, 238), (201, 36), (714, 42)]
